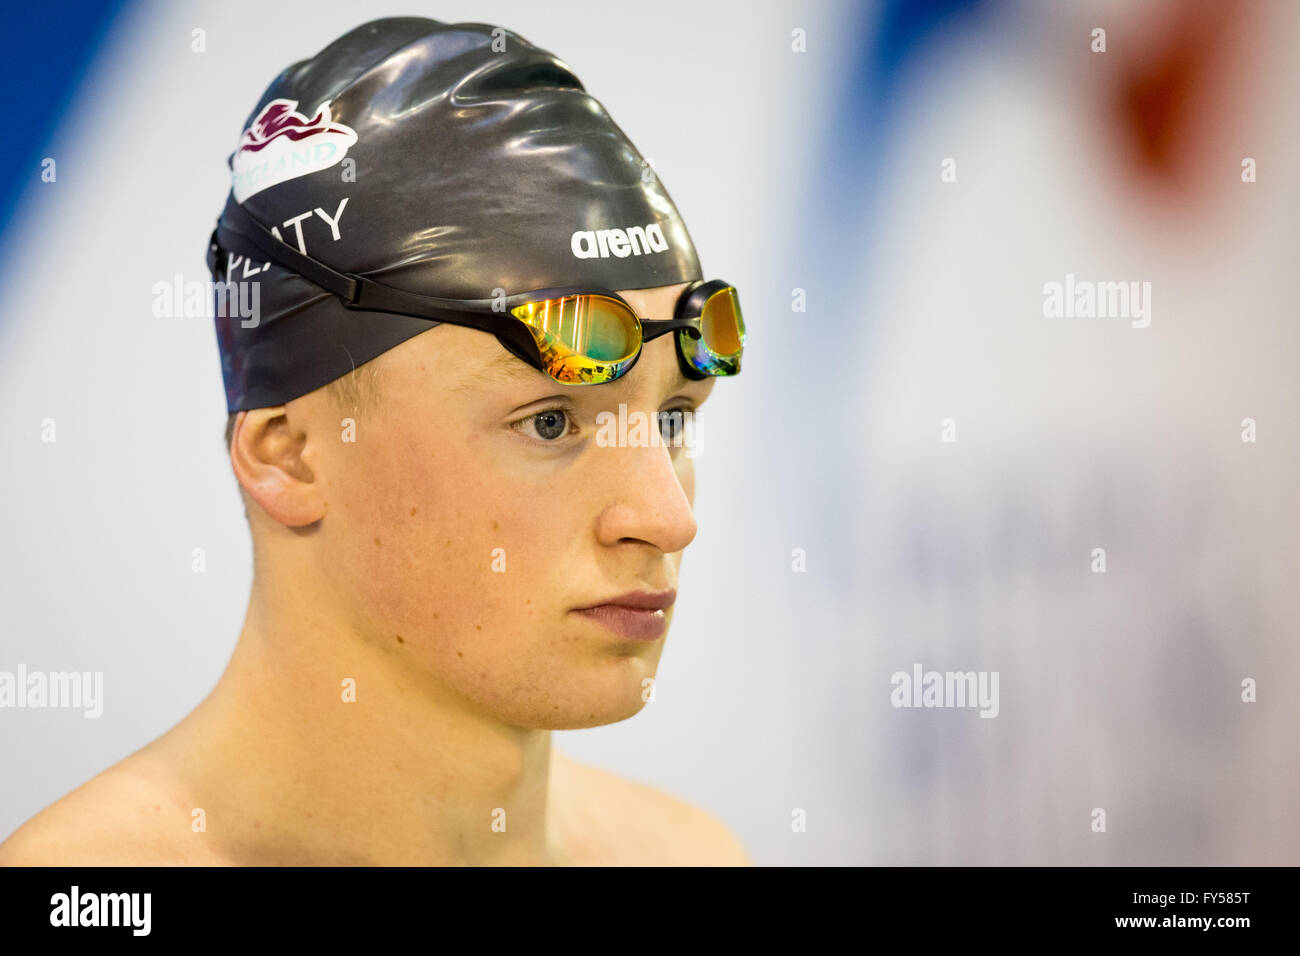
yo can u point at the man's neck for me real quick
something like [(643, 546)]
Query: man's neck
[(317, 746)]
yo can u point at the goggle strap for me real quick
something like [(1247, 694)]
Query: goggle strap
[(653, 328), (357, 292), (280, 252)]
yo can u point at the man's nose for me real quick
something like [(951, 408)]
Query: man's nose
[(648, 502)]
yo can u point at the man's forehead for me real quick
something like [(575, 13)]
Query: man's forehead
[(656, 302)]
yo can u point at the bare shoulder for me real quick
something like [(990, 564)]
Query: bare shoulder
[(610, 820), (132, 814)]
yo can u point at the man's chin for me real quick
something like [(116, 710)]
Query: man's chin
[(596, 707), (591, 717)]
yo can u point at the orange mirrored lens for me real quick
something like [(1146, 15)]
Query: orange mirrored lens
[(721, 323), (722, 336), (584, 339)]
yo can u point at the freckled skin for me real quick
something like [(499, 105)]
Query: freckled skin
[(575, 526), (391, 688)]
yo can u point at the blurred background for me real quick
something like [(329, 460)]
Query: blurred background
[(915, 467)]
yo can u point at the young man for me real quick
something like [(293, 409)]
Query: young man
[(453, 555)]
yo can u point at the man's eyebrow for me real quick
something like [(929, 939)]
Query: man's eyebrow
[(505, 368)]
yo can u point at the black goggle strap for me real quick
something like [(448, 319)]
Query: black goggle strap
[(653, 328), (356, 292), (690, 305)]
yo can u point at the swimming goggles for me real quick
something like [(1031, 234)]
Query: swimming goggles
[(578, 335)]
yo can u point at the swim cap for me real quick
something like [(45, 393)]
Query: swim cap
[(455, 160)]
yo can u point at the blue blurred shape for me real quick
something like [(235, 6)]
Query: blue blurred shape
[(49, 47)]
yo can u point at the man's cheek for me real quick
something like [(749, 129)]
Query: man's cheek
[(527, 547)]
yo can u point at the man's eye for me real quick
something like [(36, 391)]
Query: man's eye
[(546, 426)]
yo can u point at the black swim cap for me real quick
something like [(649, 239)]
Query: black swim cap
[(453, 160)]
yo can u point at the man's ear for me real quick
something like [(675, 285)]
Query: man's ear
[(266, 453)]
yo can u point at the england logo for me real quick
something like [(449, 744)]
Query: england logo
[(282, 144)]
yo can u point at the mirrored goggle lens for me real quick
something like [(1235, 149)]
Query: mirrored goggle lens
[(584, 339), (722, 335), (721, 323)]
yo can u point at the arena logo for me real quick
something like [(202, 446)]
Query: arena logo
[(621, 243), (282, 144)]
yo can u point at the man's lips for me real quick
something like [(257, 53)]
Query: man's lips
[(639, 600), (637, 615)]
